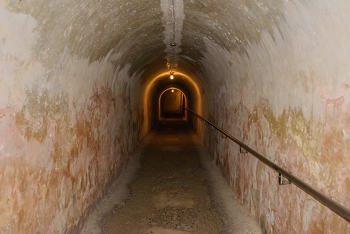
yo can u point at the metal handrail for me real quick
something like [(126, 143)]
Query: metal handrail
[(328, 202)]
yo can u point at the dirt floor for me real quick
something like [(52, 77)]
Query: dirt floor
[(170, 187)]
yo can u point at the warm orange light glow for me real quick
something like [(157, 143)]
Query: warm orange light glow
[(146, 96)]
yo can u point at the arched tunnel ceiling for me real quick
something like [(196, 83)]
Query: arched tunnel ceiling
[(179, 82), (136, 31)]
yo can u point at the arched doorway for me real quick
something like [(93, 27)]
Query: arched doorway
[(171, 102)]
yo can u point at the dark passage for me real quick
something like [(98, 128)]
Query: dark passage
[(171, 104), (173, 192), (173, 126)]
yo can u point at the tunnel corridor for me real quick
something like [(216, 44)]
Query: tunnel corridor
[(84, 84), (172, 187)]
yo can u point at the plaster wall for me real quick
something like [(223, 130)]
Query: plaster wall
[(78, 80), (287, 96), (67, 126)]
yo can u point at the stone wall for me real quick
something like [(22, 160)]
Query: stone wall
[(287, 96), (67, 128)]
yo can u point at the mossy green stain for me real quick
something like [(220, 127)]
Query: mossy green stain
[(279, 124), (38, 108), (292, 124), (299, 125)]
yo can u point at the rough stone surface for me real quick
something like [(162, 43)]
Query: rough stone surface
[(60, 141), (78, 80), (288, 98)]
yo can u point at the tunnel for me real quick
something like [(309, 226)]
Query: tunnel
[(84, 82)]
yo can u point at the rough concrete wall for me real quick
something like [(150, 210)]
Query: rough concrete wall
[(286, 94), (274, 73), (67, 124)]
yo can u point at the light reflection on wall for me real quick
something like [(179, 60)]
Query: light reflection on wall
[(151, 88)]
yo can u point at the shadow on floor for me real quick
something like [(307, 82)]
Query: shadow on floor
[(173, 126)]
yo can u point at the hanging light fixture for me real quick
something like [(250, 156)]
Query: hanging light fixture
[(171, 64)]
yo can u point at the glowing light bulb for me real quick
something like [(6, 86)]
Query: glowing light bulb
[(171, 77), (172, 90)]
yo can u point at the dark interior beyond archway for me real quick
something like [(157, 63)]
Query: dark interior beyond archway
[(171, 103)]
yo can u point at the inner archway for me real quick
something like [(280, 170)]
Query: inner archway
[(171, 102)]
